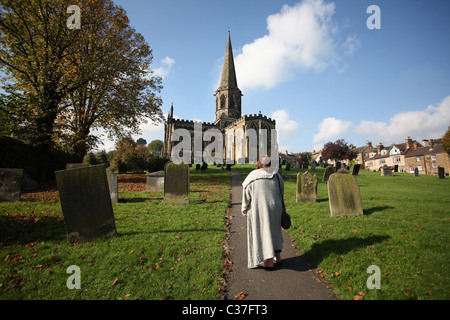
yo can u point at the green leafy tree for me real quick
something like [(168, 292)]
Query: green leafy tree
[(155, 147)]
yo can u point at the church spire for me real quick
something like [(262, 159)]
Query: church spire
[(228, 79), (228, 95)]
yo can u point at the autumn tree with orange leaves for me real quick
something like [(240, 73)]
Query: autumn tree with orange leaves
[(71, 81)]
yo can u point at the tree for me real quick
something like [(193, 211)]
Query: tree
[(37, 53), (76, 80), (141, 141), (155, 147), (446, 141), (121, 96), (338, 150)]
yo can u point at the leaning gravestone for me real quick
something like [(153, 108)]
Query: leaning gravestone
[(86, 203), (176, 184), (441, 172), (356, 168), (10, 184), (306, 187), (344, 195), (113, 185), (386, 171), (155, 181), (326, 175)]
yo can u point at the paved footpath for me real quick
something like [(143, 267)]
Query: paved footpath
[(293, 280)]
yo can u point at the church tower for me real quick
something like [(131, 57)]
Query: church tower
[(228, 95)]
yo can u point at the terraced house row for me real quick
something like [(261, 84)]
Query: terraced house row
[(426, 156)]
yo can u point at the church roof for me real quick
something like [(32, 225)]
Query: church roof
[(228, 79)]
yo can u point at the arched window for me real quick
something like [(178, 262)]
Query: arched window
[(222, 101)]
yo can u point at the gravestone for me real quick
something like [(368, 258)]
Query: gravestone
[(386, 172), (441, 172), (75, 165), (338, 166), (356, 168), (288, 166), (86, 203), (155, 181), (416, 172), (344, 195), (313, 166), (326, 175), (10, 184), (113, 185), (176, 184), (306, 187)]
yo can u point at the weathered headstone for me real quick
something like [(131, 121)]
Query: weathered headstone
[(306, 187), (75, 165), (113, 185), (344, 195), (356, 168), (86, 203), (313, 166), (386, 171), (10, 184), (176, 184), (326, 175), (416, 172), (288, 166), (155, 181), (441, 172)]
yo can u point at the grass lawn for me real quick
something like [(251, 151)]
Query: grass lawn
[(171, 252), (161, 251), (404, 231)]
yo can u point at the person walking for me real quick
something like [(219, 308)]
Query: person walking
[(262, 204)]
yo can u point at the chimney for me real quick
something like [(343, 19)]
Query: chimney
[(427, 143), (416, 145), (379, 147), (285, 152), (369, 144), (408, 142)]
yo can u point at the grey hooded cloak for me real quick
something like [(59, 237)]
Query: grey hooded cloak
[(262, 202)]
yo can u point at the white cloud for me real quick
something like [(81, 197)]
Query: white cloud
[(432, 122), (300, 37), (285, 126), (166, 65), (331, 128)]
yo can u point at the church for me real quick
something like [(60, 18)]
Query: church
[(259, 134)]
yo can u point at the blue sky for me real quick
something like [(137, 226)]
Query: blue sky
[(313, 65)]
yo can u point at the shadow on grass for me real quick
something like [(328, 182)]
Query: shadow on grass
[(368, 212), (323, 249), (16, 230)]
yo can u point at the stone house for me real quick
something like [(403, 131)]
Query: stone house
[(392, 156), (427, 158)]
